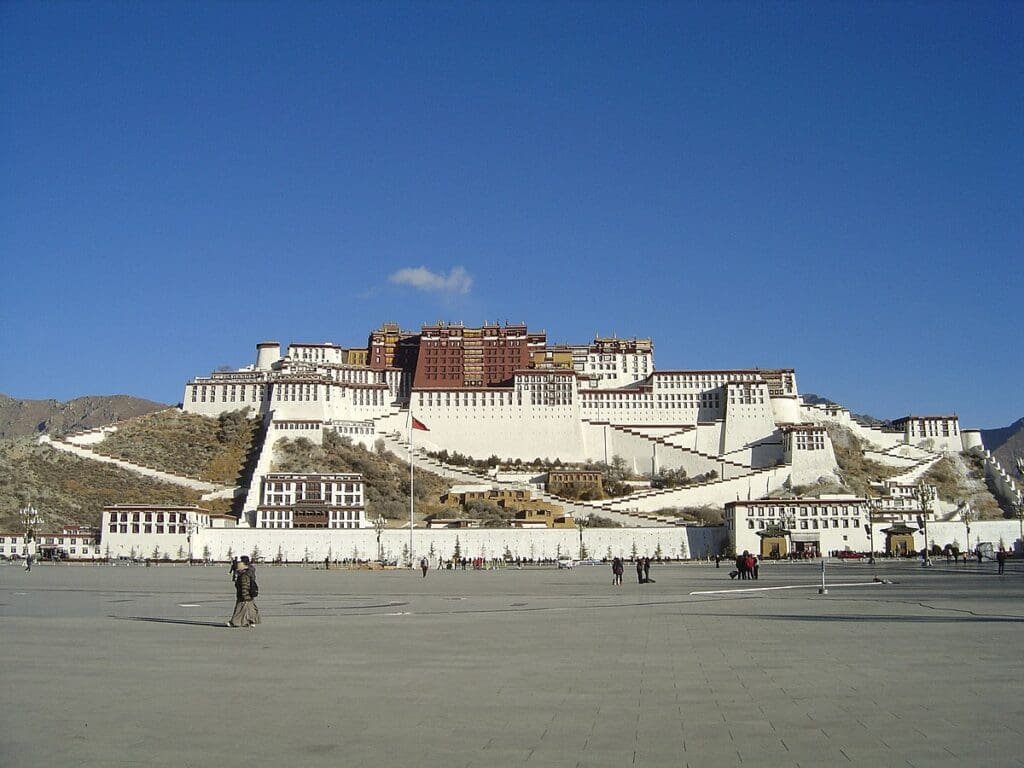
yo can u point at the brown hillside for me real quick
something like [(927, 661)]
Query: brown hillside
[(68, 490), (21, 418), (214, 449)]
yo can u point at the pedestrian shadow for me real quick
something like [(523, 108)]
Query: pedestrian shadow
[(158, 620)]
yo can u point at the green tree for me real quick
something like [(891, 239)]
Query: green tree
[(458, 549)]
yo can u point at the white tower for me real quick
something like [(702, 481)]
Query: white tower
[(267, 353)]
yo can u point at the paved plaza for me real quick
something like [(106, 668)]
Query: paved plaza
[(125, 666)]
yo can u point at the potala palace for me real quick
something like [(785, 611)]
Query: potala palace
[(502, 389)]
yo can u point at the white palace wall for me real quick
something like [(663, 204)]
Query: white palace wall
[(295, 545)]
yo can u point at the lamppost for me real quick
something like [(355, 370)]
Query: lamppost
[(925, 496), (378, 525), (191, 527), (30, 518), (581, 523), (1020, 516), (968, 515), (874, 508)]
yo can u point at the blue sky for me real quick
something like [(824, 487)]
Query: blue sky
[(834, 187)]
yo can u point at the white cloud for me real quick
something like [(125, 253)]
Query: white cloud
[(421, 278)]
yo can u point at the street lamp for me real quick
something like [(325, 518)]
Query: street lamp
[(925, 495), (191, 526), (1020, 516), (968, 515), (30, 518), (378, 525), (874, 508), (581, 523)]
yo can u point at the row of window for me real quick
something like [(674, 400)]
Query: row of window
[(72, 549), (806, 524), (831, 510), (67, 540), (229, 393), (149, 517), (686, 381), (147, 528), (809, 441)]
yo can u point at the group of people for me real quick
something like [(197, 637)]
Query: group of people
[(746, 566), (243, 573), (643, 570)]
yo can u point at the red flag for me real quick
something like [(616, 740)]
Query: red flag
[(417, 424)]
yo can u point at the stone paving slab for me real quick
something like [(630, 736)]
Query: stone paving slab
[(133, 666)]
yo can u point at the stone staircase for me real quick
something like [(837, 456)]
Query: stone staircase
[(156, 474)]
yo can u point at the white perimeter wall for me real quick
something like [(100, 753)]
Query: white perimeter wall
[(295, 545)]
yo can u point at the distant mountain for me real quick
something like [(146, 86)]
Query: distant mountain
[(863, 418), (22, 418), (1007, 444)]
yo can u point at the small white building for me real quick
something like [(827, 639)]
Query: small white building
[(940, 433), (808, 527), (152, 530), (72, 543)]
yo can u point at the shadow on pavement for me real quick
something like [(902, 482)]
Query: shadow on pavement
[(157, 620), (885, 619)]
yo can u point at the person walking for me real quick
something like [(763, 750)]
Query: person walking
[(617, 570), (640, 570), (246, 590), (1001, 559), (757, 565), (424, 565), (31, 548), (647, 571)]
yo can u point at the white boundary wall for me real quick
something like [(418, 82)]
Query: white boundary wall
[(316, 544)]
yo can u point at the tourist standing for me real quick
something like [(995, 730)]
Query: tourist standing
[(246, 613), (30, 552), (1001, 559), (424, 565), (647, 570), (757, 564), (640, 570), (617, 570)]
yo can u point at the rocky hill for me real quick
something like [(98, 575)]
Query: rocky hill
[(22, 418)]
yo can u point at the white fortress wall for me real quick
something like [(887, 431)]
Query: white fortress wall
[(748, 416), (890, 460), (509, 431), (994, 532), (695, 541), (708, 439), (808, 466), (295, 545), (971, 439), (714, 494), (646, 455), (1005, 487), (786, 409)]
